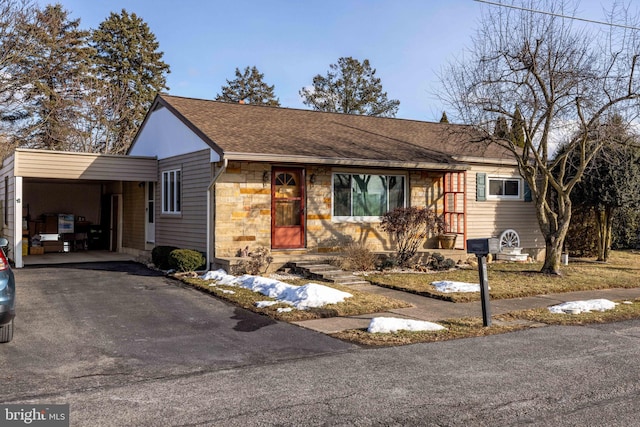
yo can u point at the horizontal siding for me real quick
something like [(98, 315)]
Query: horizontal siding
[(64, 165), (491, 217), (189, 229), (8, 229)]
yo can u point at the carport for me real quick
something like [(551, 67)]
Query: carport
[(55, 202)]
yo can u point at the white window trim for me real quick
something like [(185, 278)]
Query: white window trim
[(177, 188), (363, 219), (490, 196)]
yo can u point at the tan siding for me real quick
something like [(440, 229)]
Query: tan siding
[(64, 165), (133, 232), (491, 217), (8, 209), (189, 229)]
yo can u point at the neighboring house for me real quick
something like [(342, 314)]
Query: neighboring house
[(233, 176), (220, 177)]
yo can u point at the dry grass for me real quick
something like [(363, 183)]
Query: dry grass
[(359, 303), (517, 280), (455, 329), (622, 311), (507, 280), (509, 322)]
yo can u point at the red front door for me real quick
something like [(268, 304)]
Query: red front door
[(287, 208)]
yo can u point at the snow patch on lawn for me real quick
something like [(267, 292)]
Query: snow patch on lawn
[(392, 324), (577, 307), (301, 297), (447, 286)]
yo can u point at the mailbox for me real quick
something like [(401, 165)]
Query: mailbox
[(482, 246)]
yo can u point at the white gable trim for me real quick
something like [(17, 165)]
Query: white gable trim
[(164, 135)]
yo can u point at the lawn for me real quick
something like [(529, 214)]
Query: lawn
[(517, 280), (509, 322), (359, 303), (506, 280)]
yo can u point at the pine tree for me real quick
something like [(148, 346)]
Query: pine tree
[(502, 130), (444, 118), (611, 181), (250, 88), (51, 75), (127, 59), (517, 129), (350, 87)]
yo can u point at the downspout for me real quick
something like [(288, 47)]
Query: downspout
[(219, 172)]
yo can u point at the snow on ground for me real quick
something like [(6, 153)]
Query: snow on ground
[(392, 324), (448, 286), (577, 307), (301, 297)]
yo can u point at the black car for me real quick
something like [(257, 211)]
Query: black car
[(7, 295)]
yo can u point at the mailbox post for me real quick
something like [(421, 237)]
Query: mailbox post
[(481, 248)]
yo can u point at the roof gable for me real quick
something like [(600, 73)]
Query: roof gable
[(239, 131), (164, 134)]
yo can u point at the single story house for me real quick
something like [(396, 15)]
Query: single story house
[(221, 177)]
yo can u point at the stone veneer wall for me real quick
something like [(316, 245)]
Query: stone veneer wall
[(243, 210), (323, 235)]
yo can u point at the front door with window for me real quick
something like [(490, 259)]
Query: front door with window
[(287, 208)]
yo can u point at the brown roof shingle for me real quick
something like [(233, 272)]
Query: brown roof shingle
[(240, 128)]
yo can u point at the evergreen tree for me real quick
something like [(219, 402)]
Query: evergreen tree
[(127, 59), (502, 131), (51, 75), (611, 181), (350, 87), (517, 129), (14, 15), (444, 118), (248, 87)]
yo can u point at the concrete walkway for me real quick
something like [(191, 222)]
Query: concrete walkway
[(431, 309)]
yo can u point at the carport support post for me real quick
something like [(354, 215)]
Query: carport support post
[(484, 290)]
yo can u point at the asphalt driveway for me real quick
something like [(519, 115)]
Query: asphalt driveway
[(109, 324)]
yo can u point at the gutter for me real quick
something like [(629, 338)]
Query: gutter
[(486, 160), (395, 164), (215, 178)]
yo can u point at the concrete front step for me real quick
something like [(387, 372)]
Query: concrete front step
[(325, 271)]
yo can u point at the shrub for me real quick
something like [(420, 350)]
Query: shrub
[(408, 227), (186, 260), (258, 262), (160, 256), (357, 257), (437, 262)]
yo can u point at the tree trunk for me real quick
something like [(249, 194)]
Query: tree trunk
[(554, 228), (553, 254), (604, 221)]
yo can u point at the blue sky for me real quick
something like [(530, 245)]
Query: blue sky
[(290, 41)]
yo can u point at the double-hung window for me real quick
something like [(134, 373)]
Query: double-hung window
[(505, 188), (171, 191), (366, 197)]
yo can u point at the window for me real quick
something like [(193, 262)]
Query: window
[(504, 188), (366, 196), (171, 189)]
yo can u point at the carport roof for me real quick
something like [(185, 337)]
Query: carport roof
[(30, 163)]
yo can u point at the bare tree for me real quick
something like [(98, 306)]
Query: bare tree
[(564, 77)]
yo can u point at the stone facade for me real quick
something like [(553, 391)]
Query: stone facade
[(243, 210)]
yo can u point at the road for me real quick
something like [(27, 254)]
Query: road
[(284, 375)]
